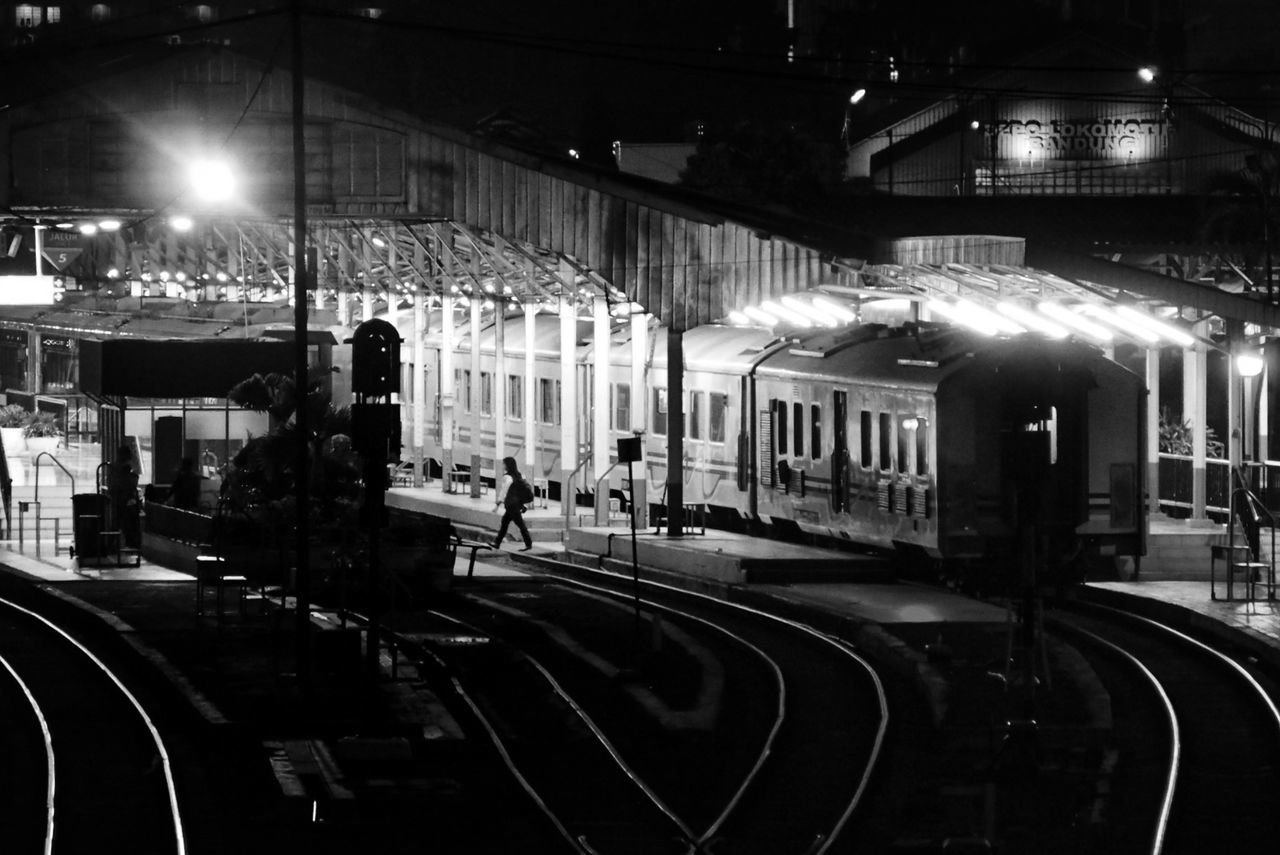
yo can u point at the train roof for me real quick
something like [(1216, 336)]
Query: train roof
[(918, 358), (546, 335), (717, 347)]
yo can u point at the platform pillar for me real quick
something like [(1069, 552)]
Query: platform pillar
[(675, 433), (639, 411), (418, 387), (601, 411), (1153, 430), (500, 387), (1194, 411), (446, 390), (477, 397), (530, 425), (568, 395)]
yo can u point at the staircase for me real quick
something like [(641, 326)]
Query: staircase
[(43, 523)]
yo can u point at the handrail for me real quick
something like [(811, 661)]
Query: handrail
[(48, 454), (1259, 512)]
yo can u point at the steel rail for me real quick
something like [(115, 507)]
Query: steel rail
[(882, 729), (51, 787), (591, 725), (1175, 732), (180, 842)]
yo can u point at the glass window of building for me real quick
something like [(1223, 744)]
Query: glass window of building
[(26, 16), (100, 12)]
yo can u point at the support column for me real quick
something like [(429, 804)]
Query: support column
[(639, 412), (418, 388), (568, 399), (1153, 431), (1262, 451), (530, 423), (675, 433), (477, 399), (499, 384), (367, 298), (600, 411), (446, 387), (344, 308), (1194, 411)]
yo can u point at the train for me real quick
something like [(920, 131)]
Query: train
[(920, 439)]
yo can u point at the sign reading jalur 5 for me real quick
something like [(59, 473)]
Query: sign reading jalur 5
[(1082, 139)]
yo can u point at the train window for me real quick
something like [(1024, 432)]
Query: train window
[(922, 446), (719, 402), (695, 415), (515, 396), (905, 428), (864, 432), (886, 437), (815, 431), (462, 382), (780, 429), (557, 401), (546, 404), (622, 407), (798, 427), (486, 393), (660, 411)]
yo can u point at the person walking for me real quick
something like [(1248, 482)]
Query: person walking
[(514, 494), (122, 490), (185, 490)]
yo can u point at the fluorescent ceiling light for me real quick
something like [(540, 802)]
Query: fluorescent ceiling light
[(1124, 325), (835, 309), (1160, 328), (1068, 318), (1028, 318), (785, 314), (954, 313), (739, 319), (795, 304), (760, 315)]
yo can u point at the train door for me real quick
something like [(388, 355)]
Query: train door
[(840, 452)]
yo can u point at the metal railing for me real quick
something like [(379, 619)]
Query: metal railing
[(24, 507), (1249, 514)]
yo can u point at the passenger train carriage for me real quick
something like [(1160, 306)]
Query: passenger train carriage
[(919, 438)]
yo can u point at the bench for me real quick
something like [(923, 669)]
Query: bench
[(443, 527)]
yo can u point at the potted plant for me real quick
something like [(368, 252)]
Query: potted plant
[(13, 418), (42, 433)]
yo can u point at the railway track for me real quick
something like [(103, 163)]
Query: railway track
[(1198, 734), (688, 725), (86, 769)]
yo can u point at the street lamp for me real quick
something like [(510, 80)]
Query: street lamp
[(211, 179)]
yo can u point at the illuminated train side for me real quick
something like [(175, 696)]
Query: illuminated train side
[(926, 440)]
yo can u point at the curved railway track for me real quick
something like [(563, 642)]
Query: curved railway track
[(1198, 734), (696, 726), (86, 769)]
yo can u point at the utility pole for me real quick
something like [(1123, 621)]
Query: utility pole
[(302, 465)]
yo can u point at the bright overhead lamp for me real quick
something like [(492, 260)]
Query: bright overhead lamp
[(1028, 318), (1147, 74), (760, 315), (1124, 325), (858, 95), (1249, 364), (109, 225), (739, 319), (211, 180), (1162, 329), (1080, 324), (181, 223)]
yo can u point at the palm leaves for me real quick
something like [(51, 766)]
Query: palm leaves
[(263, 475)]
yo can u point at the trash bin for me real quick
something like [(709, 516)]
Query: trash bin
[(88, 511)]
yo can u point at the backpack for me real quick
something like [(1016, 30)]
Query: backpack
[(521, 491)]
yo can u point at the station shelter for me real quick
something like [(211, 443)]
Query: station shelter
[(447, 235)]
